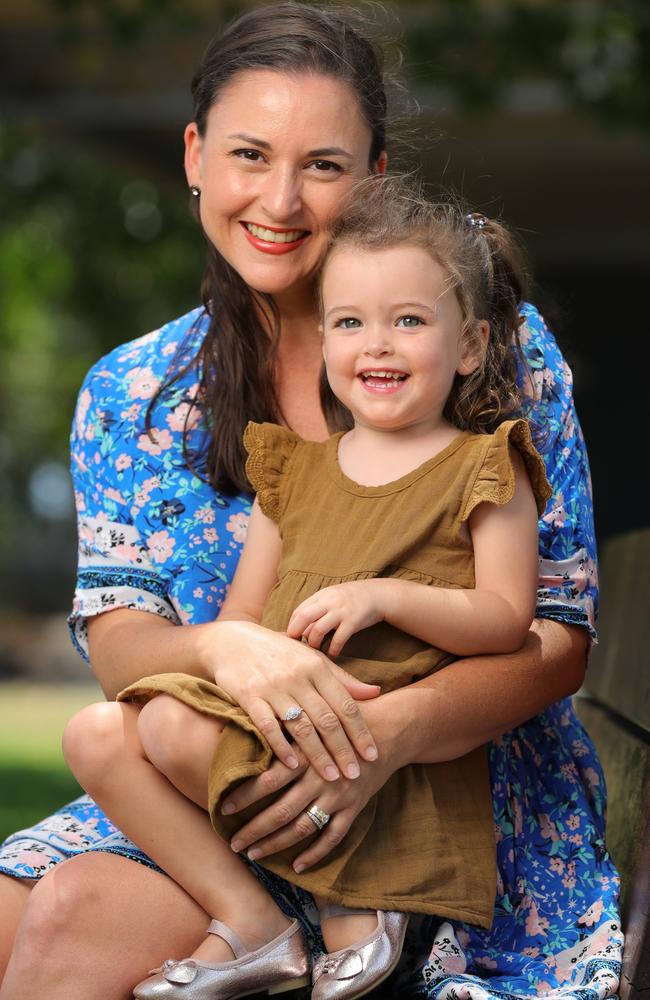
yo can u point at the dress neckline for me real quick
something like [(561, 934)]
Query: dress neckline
[(384, 489)]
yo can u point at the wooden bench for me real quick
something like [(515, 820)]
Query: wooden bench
[(614, 704)]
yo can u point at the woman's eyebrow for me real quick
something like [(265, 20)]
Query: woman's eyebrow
[(251, 139), (325, 151)]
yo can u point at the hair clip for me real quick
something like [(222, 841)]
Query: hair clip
[(476, 220)]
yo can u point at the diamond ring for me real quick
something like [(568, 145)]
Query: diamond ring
[(292, 713), (318, 816)]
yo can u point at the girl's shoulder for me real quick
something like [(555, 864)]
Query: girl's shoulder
[(272, 452), (494, 468)]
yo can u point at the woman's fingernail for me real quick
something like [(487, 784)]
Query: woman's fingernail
[(352, 771), (332, 773), (227, 808), (292, 761), (237, 845), (298, 868), (371, 753), (254, 854)]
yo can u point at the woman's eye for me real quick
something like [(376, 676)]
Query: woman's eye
[(326, 167), (250, 155), (348, 323), (409, 321)]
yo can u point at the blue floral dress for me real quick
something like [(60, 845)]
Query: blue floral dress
[(153, 536)]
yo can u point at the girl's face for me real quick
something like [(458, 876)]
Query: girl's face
[(279, 153), (392, 336)]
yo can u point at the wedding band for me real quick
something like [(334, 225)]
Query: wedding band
[(318, 817), (292, 713)]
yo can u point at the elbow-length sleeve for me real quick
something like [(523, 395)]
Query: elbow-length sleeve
[(568, 580), (117, 567)]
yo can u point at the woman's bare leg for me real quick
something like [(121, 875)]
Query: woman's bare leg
[(95, 926), (103, 748), (14, 894)]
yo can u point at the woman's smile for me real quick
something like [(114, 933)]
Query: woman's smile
[(272, 240)]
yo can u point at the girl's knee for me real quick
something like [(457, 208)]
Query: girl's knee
[(96, 737), (171, 733)]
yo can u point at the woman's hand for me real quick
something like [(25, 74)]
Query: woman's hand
[(285, 822), (344, 609), (268, 674)]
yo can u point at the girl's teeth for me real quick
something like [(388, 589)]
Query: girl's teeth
[(271, 237)]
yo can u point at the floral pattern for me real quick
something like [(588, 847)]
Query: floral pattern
[(154, 536)]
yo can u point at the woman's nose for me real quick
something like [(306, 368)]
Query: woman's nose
[(282, 195)]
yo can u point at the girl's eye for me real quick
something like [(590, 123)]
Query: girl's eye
[(326, 166), (348, 323), (409, 321), (250, 155)]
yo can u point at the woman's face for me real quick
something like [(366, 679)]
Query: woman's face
[(279, 153)]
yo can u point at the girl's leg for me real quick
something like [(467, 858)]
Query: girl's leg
[(103, 748), (96, 925), (14, 895), (180, 743), (342, 930)]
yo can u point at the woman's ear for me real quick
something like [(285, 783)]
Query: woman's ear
[(382, 162), (193, 149), (472, 350)]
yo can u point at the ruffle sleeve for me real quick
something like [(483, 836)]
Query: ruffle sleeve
[(270, 451), (495, 477)]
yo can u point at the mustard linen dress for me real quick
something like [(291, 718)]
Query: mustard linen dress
[(425, 842)]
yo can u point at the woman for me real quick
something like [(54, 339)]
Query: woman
[(289, 113)]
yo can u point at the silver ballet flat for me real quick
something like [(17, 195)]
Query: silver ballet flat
[(282, 964), (354, 971)]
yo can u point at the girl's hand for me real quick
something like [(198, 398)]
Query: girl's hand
[(344, 609), (268, 673)]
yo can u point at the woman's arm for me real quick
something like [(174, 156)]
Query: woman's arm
[(492, 617), (438, 718)]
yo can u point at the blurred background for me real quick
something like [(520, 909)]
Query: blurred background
[(536, 110)]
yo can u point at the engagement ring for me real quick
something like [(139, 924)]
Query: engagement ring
[(292, 713), (318, 817)]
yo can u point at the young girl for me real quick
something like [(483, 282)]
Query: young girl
[(394, 546)]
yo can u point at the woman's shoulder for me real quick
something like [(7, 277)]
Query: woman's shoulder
[(546, 377), (137, 367)]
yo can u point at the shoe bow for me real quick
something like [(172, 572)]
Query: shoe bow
[(179, 972), (347, 965)]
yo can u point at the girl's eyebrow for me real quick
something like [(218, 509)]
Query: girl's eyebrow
[(325, 151)]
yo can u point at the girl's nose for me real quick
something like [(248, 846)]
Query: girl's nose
[(378, 343), (282, 195)]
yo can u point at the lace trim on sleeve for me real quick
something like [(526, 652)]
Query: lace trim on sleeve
[(495, 480), (270, 447)]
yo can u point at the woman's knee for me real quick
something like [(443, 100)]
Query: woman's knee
[(173, 734), (96, 737)]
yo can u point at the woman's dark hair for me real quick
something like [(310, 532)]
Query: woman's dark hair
[(485, 270), (236, 360)]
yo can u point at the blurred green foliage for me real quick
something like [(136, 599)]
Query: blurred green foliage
[(89, 257), (34, 777), (596, 52), (593, 54)]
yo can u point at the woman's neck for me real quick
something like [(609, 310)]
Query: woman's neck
[(298, 362)]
